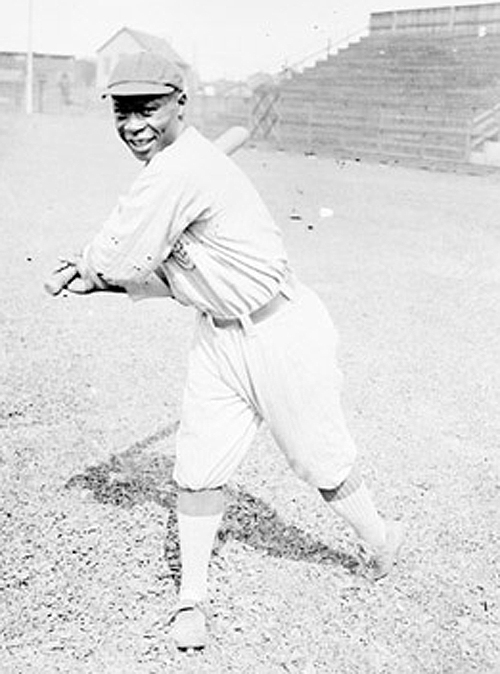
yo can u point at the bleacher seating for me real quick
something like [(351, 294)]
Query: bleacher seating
[(395, 94)]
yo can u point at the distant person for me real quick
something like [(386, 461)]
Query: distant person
[(65, 89), (193, 228)]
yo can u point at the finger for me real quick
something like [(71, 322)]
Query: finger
[(80, 286), (68, 261), (63, 266), (60, 280)]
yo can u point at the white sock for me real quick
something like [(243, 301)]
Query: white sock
[(358, 509), (196, 539)]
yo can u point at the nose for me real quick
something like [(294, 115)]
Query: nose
[(134, 123)]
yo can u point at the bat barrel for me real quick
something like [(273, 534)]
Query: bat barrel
[(232, 139)]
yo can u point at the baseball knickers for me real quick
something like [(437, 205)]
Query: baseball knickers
[(281, 370)]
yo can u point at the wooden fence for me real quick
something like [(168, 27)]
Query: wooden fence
[(471, 19), (214, 114)]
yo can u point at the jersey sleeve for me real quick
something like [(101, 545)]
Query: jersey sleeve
[(144, 225)]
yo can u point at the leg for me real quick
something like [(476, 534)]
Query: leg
[(216, 430), (299, 386), (199, 515), (353, 502)]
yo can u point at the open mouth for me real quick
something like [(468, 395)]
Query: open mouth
[(140, 144)]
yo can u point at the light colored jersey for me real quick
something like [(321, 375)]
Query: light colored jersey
[(193, 217)]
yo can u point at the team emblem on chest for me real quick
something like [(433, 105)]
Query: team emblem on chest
[(180, 253)]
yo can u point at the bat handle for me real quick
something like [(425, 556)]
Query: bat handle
[(60, 280)]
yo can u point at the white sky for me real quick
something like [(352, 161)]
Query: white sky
[(221, 38)]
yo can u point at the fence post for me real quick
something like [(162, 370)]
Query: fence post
[(468, 139), (380, 127), (278, 124), (249, 115), (309, 141)]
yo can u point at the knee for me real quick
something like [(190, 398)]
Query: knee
[(348, 485), (200, 502)]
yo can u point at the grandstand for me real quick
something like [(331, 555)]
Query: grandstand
[(423, 84)]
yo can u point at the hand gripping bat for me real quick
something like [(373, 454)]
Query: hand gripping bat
[(230, 141)]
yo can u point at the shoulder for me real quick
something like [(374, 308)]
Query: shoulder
[(190, 145), (181, 170), (191, 158)]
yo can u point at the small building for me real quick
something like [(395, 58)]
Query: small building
[(223, 88), (130, 41), (53, 78)]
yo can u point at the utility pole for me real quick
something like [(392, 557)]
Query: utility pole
[(29, 61)]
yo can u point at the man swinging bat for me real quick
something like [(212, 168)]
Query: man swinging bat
[(193, 228)]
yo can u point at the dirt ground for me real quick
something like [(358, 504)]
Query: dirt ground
[(408, 263)]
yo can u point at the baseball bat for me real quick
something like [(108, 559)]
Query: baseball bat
[(232, 139), (229, 141)]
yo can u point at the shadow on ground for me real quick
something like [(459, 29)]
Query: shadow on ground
[(138, 476)]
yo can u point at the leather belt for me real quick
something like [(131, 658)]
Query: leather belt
[(256, 316)]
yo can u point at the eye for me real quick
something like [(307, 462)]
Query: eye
[(149, 110), (120, 113)]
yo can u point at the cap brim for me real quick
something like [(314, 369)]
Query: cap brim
[(138, 89)]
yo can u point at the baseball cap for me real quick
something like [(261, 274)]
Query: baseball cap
[(144, 73)]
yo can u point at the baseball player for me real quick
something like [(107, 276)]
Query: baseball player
[(193, 228)]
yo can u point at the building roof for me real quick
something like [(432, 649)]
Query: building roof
[(38, 55), (149, 43)]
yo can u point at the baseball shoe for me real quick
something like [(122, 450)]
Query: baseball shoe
[(385, 557), (189, 630)]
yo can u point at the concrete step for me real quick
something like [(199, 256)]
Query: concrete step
[(466, 69), (372, 75), (408, 42), (352, 84), (384, 59), (454, 84), (489, 155), (410, 97), (376, 136), (375, 119), (360, 146)]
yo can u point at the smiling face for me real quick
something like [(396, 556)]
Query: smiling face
[(148, 124)]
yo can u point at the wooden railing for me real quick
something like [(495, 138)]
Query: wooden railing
[(310, 59), (485, 126)]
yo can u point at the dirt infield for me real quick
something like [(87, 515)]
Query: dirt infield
[(408, 263)]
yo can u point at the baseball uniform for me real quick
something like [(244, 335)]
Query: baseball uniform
[(192, 227)]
